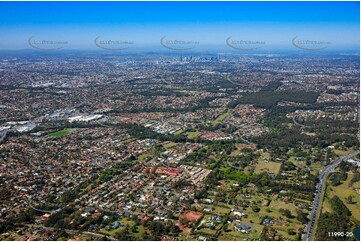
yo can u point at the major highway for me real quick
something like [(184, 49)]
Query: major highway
[(317, 203)]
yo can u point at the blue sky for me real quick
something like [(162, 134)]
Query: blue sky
[(210, 23)]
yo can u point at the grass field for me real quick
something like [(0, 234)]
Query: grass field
[(343, 191), (178, 132), (60, 133), (275, 204), (138, 234), (326, 207), (192, 135), (240, 146), (221, 117), (269, 167), (231, 236), (293, 160), (207, 231), (273, 212), (254, 220), (169, 144), (111, 232), (129, 140), (343, 152), (220, 211), (235, 153), (316, 165), (144, 156)]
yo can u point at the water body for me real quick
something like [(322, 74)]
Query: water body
[(356, 233)]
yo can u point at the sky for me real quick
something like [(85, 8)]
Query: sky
[(143, 24)]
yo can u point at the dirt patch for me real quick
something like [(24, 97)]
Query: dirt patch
[(191, 217)]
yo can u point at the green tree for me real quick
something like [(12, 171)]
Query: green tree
[(255, 209)]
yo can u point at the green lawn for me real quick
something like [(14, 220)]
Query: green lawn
[(111, 232), (220, 210), (125, 222), (269, 167), (235, 153), (139, 233), (207, 231), (343, 191), (274, 213), (178, 132), (343, 152), (144, 156), (316, 165), (221, 117), (192, 135), (59, 133), (129, 140), (169, 144)]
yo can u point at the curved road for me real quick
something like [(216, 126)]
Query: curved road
[(317, 203)]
